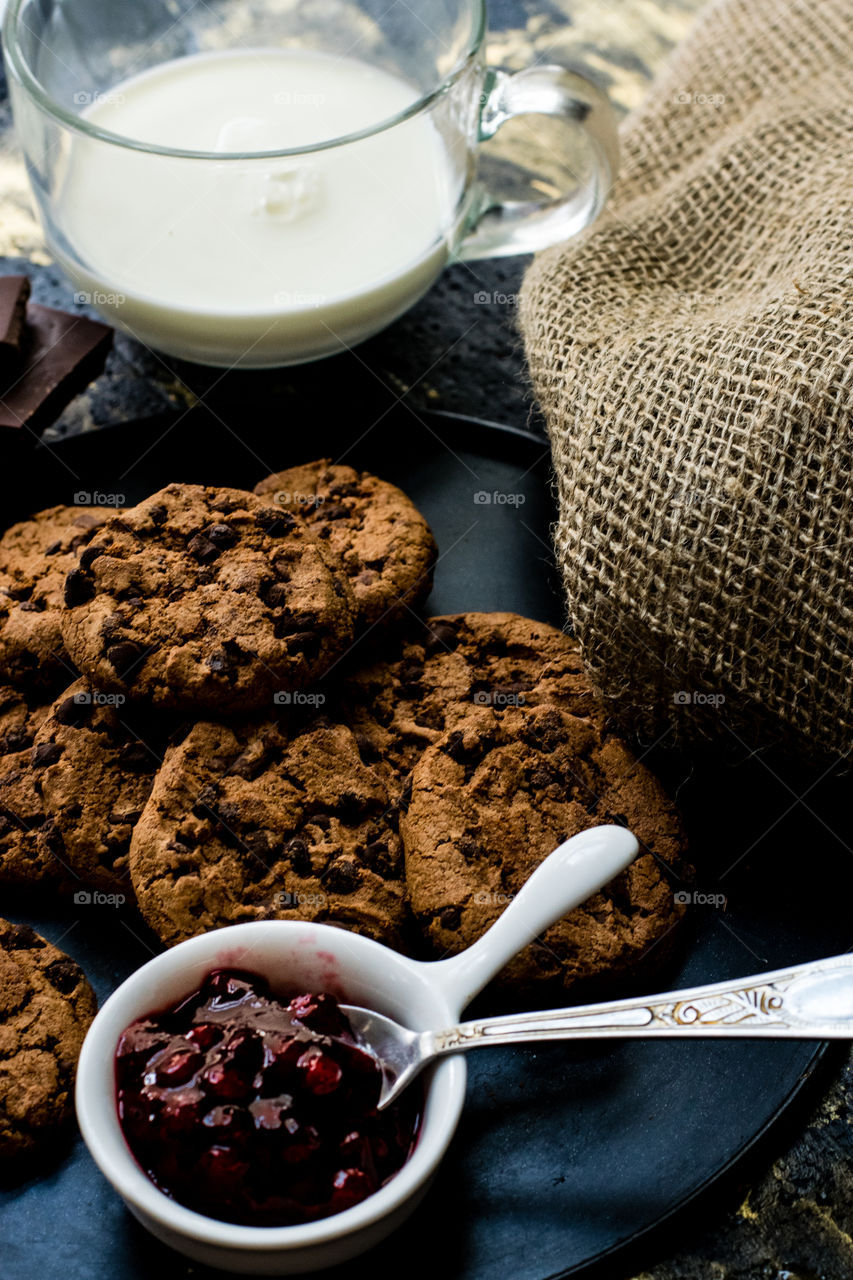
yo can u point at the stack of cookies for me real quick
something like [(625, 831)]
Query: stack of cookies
[(227, 705)]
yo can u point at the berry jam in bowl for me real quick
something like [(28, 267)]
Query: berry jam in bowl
[(226, 1215), (233, 1112), (257, 1110)]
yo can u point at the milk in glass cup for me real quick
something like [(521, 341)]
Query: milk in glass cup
[(265, 182)]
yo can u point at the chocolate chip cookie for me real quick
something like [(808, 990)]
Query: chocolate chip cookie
[(264, 821), (36, 557), (31, 848), (96, 758), (46, 1006), (494, 797), (205, 598), (20, 716), (384, 543), (432, 676), (28, 842)]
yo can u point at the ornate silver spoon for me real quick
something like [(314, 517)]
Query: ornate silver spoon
[(809, 1002)]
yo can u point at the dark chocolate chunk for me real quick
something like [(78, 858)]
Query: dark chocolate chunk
[(342, 877), (276, 523), (202, 549), (78, 588), (89, 554), (300, 856), (60, 355), (123, 657), (46, 753), (20, 937), (63, 975), (222, 535), (14, 292), (73, 712), (277, 595)]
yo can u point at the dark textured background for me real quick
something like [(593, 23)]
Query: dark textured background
[(791, 1218)]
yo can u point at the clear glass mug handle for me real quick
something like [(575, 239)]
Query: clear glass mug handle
[(501, 227)]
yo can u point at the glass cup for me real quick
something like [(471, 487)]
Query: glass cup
[(267, 183)]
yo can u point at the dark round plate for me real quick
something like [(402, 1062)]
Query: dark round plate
[(565, 1155)]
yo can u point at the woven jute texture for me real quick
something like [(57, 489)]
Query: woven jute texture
[(693, 355)]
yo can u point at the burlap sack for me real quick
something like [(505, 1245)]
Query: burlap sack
[(693, 354)]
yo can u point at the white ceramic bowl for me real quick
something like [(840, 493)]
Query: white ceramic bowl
[(295, 957)]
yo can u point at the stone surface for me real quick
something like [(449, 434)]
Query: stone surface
[(794, 1219)]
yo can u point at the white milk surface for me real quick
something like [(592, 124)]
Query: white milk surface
[(257, 261)]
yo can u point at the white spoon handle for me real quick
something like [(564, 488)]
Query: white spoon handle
[(571, 874)]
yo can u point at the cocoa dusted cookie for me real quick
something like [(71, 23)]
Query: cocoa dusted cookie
[(433, 676), (382, 540), (36, 557), (206, 598), (258, 821), (97, 757), (494, 797), (46, 1006)]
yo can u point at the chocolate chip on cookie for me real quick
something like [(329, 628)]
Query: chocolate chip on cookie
[(36, 557), (384, 543), (97, 757), (260, 821), (46, 1006), (494, 797), (206, 598)]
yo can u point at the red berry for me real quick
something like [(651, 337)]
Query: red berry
[(354, 1151), (135, 1115), (177, 1067), (139, 1043), (351, 1186), (321, 1013), (143, 1036), (303, 1141), (322, 1073), (227, 1123), (224, 1080), (278, 1068), (179, 1114), (224, 989), (204, 1035), (244, 1048), (224, 1168)]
